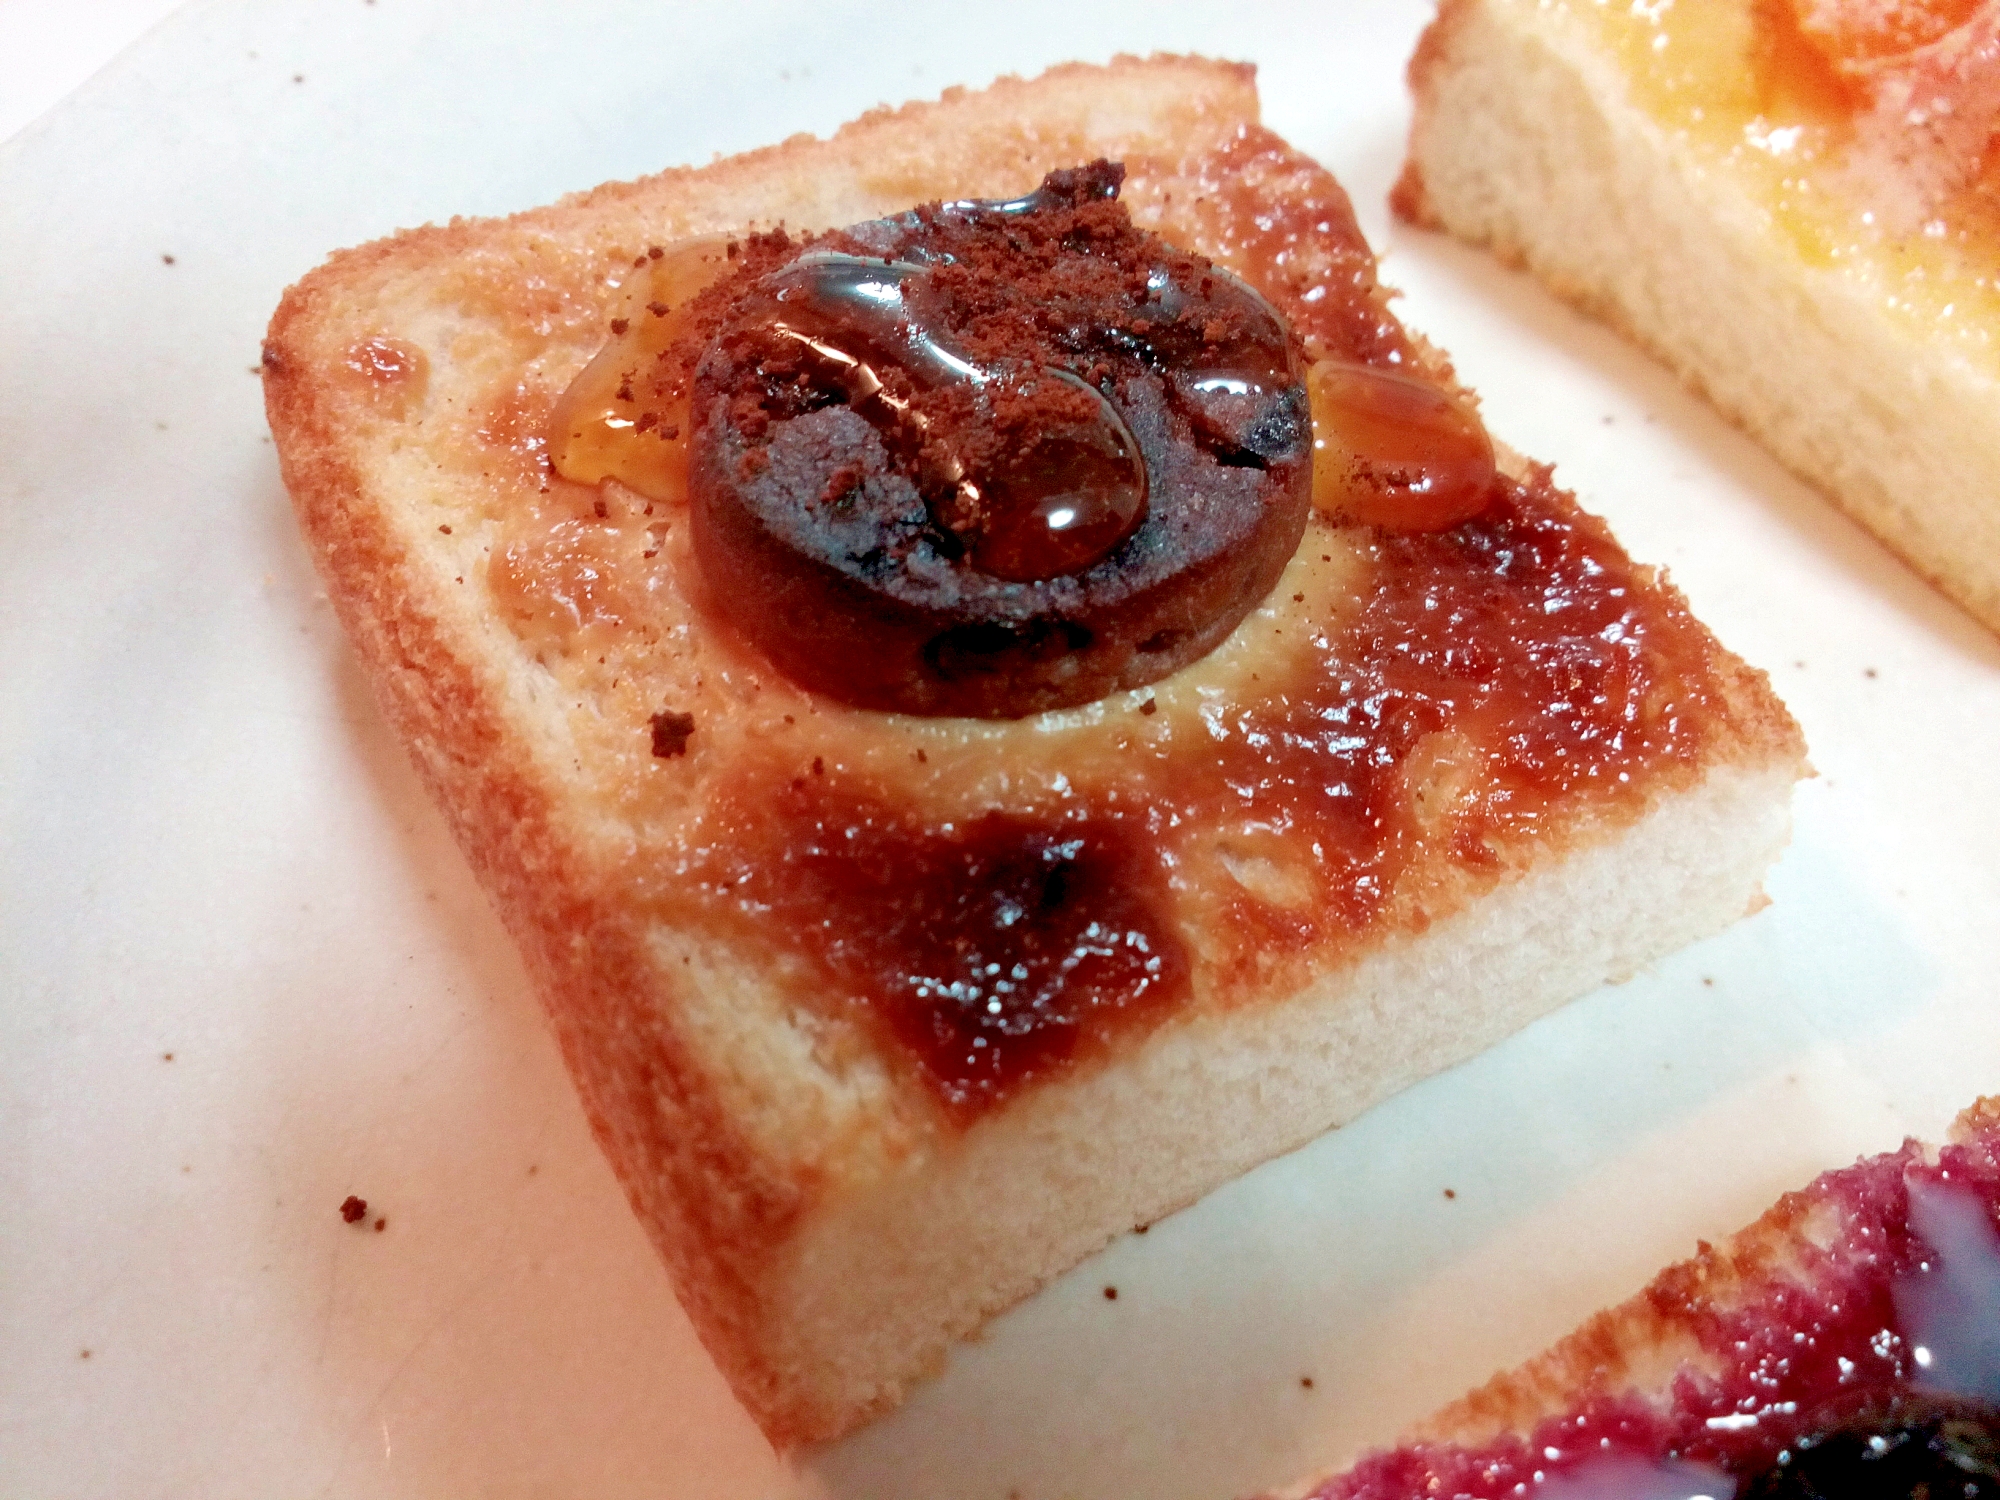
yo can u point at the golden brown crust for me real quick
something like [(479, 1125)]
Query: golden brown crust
[(734, 1106), (715, 1204)]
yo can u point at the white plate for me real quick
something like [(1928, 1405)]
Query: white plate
[(246, 974)]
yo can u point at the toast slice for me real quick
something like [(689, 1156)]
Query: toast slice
[(1435, 785), (1748, 189), (1861, 1307)]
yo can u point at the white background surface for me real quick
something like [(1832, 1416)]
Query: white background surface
[(244, 974)]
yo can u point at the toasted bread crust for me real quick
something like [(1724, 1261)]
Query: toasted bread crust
[(760, 1136)]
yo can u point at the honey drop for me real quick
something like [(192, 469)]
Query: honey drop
[(625, 417), (1395, 451)]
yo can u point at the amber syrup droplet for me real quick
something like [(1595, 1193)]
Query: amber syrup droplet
[(1063, 504), (620, 419), (1051, 507), (1394, 451)]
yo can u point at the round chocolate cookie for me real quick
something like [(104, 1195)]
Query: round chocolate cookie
[(992, 458)]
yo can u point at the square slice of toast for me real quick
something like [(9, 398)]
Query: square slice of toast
[(1435, 785)]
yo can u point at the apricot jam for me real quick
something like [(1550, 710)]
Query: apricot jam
[(626, 416), (1812, 108)]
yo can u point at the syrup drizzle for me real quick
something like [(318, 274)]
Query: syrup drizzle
[(1040, 511), (1393, 450)]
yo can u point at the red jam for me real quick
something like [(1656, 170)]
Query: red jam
[(1824, 1339)]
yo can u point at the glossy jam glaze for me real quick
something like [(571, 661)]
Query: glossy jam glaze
[(1055, 509), (1843, 131), (1409, 717), (1780, 1359)]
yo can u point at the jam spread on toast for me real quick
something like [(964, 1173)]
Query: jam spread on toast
[(1428, 689), (1868, 131)]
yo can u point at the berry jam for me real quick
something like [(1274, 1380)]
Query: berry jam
[(1864, 1367)]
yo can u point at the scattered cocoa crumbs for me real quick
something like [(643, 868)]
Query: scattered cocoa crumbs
[(657, 309), (619, 325), (166, 259), (1306, 1381), (654, 252), (671, 732), (380, 1225), (600, 508), (1111, 1294), (445, 529), (1298, 598), (354, 1209), (1451, 1192), (166, 1057), (1151, 705), (819, 766)]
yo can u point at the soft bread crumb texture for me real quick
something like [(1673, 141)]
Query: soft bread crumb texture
[(829, 1229), (1528, 140)]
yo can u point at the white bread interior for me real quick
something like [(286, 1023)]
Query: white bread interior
[(1526, 140), (828, 1238), (1036, 1189)]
